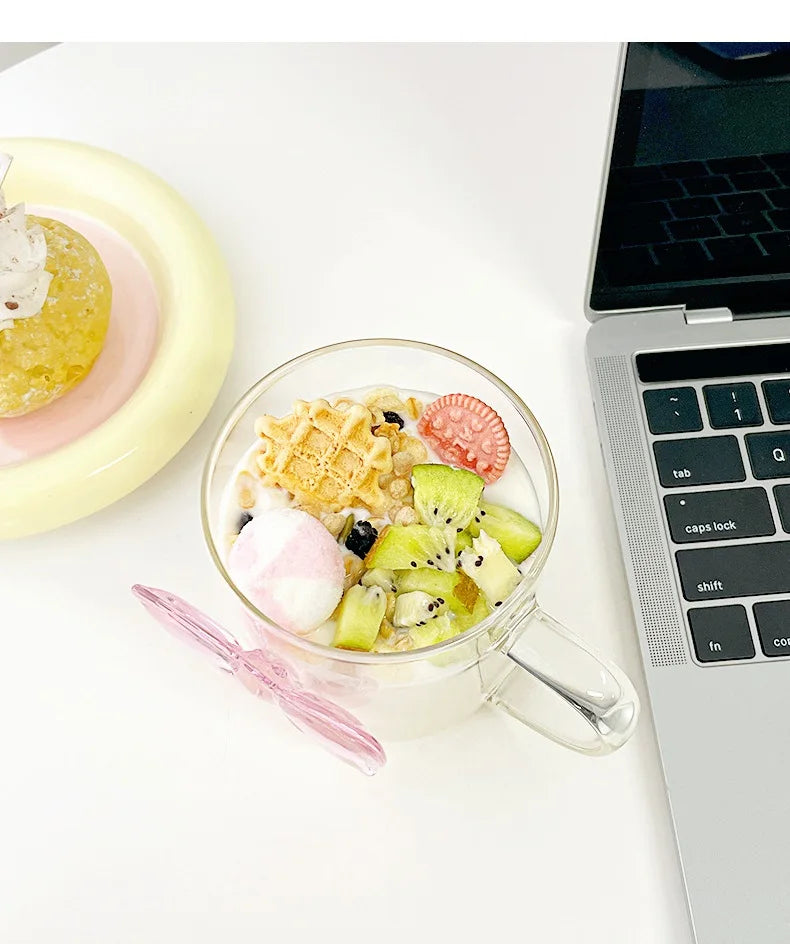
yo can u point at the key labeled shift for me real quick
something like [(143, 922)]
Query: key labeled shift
[(723, 515), (738, 570)]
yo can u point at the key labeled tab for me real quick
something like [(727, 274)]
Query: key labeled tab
[(769, 454), (738, 570), (773, 627), (732, 405), (723, 515), (707, 460), (721, 633), (675, 410)]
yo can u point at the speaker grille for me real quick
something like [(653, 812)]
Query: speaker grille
[(666, 638)]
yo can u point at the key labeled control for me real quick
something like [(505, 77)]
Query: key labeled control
[(722, 515), (732, 405), (721, 633), (707, 460), (675, 410), (769, 454), (738, 570), (773, 627)]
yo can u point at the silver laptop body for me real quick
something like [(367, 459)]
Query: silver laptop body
[(689, 362)]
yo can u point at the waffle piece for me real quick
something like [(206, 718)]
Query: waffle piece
[(328, 459)]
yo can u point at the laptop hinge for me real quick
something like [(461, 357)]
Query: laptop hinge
[(708, 315)]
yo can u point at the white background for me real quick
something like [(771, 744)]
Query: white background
[(439, 193)]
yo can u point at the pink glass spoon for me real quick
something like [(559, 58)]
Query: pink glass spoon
[(265, 676)]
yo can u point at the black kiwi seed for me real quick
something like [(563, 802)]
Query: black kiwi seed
[(447, 550), (458, 530), (414, 563), (436, 511), (477, 519), (482, 513), (479, 562), (439, 600), (429, 563), (448, 521), (430, 607), (498, 603)]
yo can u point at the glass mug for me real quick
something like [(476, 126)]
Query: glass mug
[(518, 658)]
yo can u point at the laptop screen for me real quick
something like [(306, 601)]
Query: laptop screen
[(697, 204)]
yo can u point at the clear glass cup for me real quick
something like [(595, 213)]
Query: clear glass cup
[(519, 658)]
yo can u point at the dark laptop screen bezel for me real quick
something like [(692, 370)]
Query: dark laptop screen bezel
[(750, 295)]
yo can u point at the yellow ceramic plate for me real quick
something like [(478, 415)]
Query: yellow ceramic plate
[(42, 487)]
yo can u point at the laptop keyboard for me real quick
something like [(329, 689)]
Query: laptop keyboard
[(722, 458), (697, 220)]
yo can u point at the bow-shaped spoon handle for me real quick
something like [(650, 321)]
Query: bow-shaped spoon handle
[(265, 676)]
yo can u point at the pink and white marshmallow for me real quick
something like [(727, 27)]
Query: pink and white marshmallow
[(290, 567)]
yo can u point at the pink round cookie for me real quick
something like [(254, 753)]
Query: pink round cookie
[(290, 567)]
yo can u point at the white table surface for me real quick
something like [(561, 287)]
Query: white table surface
[(441, 193)]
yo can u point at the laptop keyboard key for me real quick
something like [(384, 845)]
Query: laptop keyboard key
[(780, 198), (782, 496), (706, 460), (735, 165), (733, 224), (769, 454), (780, 218), (778, 161), (682, 260), (685, 169), (732, 405), (777, 247), (629, 266), (694, 206), (734, 255), (674, 410), (719, 515), (702, 186), (777, 399), (660, 190), (641, 232), (734, 570), (756, 180), (772, 619), (721, 633), (738, 203), (700, 228)]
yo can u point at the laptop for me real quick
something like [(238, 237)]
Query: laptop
[(689, 362)]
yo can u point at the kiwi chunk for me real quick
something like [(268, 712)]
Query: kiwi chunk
[(488, 565), (437, 583), (435, 630), (517, 535), (464, 621), (416, 607), (445, 496), (359, 617), (400, 547), (379, 577)]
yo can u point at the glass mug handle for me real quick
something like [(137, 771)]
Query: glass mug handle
[(600, 707)]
